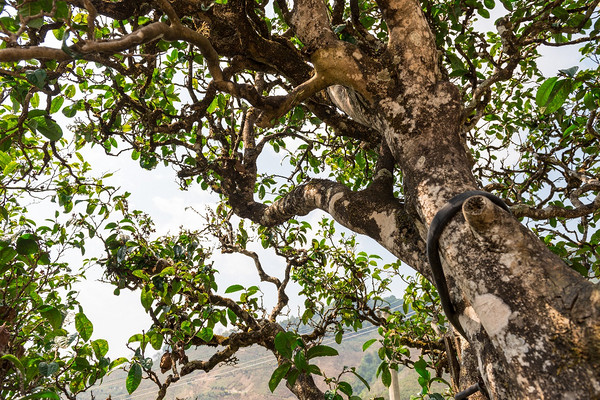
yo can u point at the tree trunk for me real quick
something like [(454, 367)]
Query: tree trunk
[(532, 322), (305, 388)]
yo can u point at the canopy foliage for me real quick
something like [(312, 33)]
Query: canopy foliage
[(234, 95)]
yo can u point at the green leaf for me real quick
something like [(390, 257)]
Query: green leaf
[(321, 351), (70, 91), (53, 315), (56, 104), (386, 376), (156, 341), (47, 369), (278, 375), (167, 271), (300, 361), (37, 77), (589, 101), (83, 326), (424, 384), (15, 361), (47, 127), (138, 337), (5, 159), (140, 273), (186, 327), (339, 336), (551, 96), (134, 377), (146, 297), (456, 62), (559, 94), (483, 12), (345, 388), (507, 4), (100, 347), (231, 315), (62, 10), (421, 368), (283, 345), (543, 93), (489, 3), (292, 376), (368, 344), (8, 169), (577, 20), (213, 106), (117, 362), (69, 111), (314, 369), (561, 13), (7, 254), (234, 288), (206, 334), (27, 244), (42, 395)]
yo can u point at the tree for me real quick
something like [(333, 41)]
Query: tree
[(41, 354), (385, 110)]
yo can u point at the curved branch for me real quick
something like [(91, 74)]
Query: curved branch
[(283, 104), (165, 5), (551, 211), (234, 343), (373, 212), (148, 33), (509, 47), (14, 54)]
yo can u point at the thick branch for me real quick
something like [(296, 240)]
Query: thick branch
[(295, 97), (373, 212), (311, 22), (235, 342), (13, 54), (522, 210), (411, 39), (146, 34)]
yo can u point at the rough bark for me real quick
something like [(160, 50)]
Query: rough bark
[(533, 324)]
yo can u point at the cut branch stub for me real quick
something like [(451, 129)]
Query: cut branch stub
[(479, 212), (488, 222)]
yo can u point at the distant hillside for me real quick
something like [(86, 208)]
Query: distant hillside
[(248, 379)]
